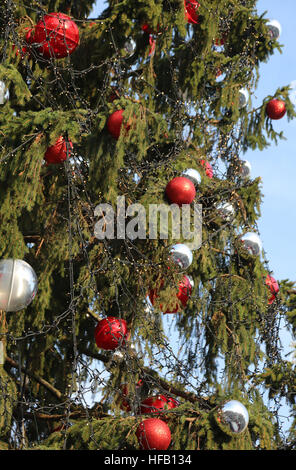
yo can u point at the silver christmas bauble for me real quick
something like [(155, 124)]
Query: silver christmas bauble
[(245, 169), (193, 175), (243, 97), (18, 284), (130, 47), (236, 415), (274, 29), (252, 243), (226, 210), (4, 93), (181, 255)]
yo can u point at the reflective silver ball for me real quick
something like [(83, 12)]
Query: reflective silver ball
[(18, 284), (252, 243), (245, 169), (193, 175), (181, 255), (243, 97), (4, 93), (236, 415), (226, 210), (274, 29), (130, 47)]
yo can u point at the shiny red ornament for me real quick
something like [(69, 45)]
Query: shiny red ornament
[(157, 404), (208, 167), (57, 35), (275, 109), (183, 294), (114, 123), (191, 7), (180, 190), (273, 287), (110, 333), (58, 152), (153, 434)]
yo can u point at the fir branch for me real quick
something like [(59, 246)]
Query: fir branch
[(54, 391)]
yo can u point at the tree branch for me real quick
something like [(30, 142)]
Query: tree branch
[(54, 391)]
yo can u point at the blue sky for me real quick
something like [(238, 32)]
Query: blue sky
[(277, 164)]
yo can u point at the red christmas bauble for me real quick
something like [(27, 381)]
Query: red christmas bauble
[(58, 152), (114, 123), (275, 109), (180, 190), (183, 294), (273, 287), (110, 332), (157, 404), (153, 433), (57, 35), (208, 167), (191, 7)]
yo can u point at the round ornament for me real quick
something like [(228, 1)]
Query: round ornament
[(4, 93), (18, 284), (208, 167), (129, 48), (181, 255), (274, 29), (153, 434), (273, 286), (275, 109), (245, 169), (114, 123), (56, 35), (157, 404), (110, 333), (235, 415), (193, 175), (225, 210), (180, 190), (191, 7), (243, 97), (252, 243), (58, 152)]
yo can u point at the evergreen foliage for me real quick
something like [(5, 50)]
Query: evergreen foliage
[(58, 390)]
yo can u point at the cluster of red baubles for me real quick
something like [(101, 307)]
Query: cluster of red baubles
[(54, 36)]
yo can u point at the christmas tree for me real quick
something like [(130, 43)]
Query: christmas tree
[(138, 309)]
